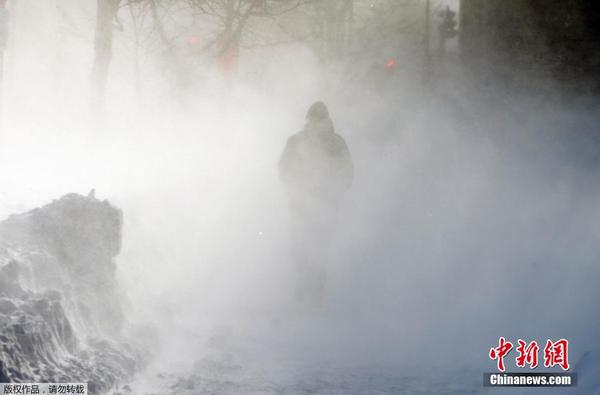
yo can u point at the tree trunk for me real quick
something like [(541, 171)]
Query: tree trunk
[(105, 14)]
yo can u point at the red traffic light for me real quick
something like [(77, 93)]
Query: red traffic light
[(391, 63)]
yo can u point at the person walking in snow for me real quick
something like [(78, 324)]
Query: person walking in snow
[(316, 169)]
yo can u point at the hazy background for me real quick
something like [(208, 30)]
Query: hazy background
[(473, 214)]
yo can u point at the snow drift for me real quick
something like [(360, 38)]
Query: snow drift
[(61, 315)]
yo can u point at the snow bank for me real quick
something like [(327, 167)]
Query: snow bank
[(61, 316)]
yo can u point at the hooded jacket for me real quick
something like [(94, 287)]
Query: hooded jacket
[(316, 163)]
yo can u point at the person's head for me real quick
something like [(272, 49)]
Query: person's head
[(317, 112)]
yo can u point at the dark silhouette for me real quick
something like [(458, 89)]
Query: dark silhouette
[(316, 169)]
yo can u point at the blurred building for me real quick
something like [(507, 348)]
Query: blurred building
[(533, 44)]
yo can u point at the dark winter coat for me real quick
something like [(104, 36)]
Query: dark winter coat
[(316, 164)]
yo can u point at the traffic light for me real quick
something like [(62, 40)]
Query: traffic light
[(448, 26), (391, 63)]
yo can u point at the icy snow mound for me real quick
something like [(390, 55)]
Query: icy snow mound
[(60, 305)]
